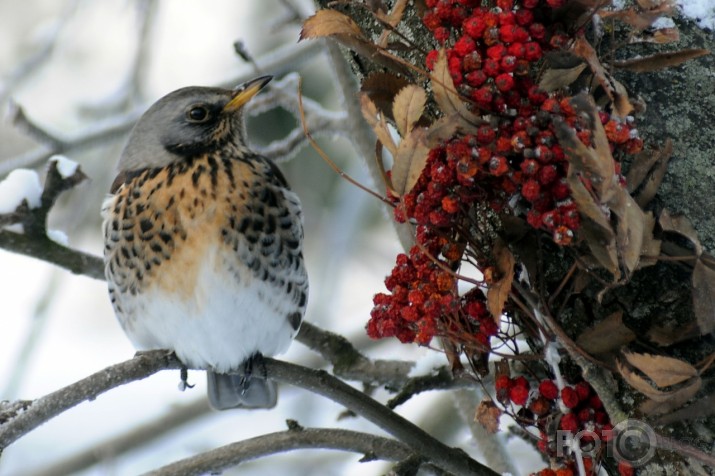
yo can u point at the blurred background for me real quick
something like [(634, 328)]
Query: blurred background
[(79, 66)]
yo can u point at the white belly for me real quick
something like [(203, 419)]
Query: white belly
[(218, 326)]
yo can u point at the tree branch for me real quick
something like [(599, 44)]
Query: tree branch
[(219, 459), (18, 423), (322, 383), (135, 438)]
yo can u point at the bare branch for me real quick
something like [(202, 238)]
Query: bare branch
[(135, 438), (322, 383), (222, 458), (19, 423)]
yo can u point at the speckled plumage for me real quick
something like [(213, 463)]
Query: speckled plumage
[(203, 254)]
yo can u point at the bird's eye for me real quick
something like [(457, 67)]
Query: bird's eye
[(197, 114)]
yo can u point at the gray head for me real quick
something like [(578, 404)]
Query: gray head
[(188, 122)]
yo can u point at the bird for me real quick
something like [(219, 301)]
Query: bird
[(203, 243)]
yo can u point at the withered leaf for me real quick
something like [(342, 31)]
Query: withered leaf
[(410, 160), (660, 36), (663, 371), (656, 175), (445, 93), (650, 249), (637, 382), (488, 415), (701, 408), (407, 108), (621, 105), (557, 78), (681, 225), (378, 123), (444, 128), (704, 296), (606, 336), (637, 19), (629, 228), (668, 401), (329, 23), (498, 291), (333, 24), (382, 88), (665, 336), (658, 61)]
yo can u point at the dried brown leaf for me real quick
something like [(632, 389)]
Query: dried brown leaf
[(630, 228), (498, 291), (658, 61), (377, 121), (445, 94), (407, 108), (410, 160), (704, 296), (382, 88), (669, 401), (639, 383), (659, 37), (656, 175), (488, 415), (639, 20), (645, 163), (666, 336), (680, 225), (650, 249), (614, 90), (606, 336), (701, 408), (663, 371), (329, 23), (557, 78)]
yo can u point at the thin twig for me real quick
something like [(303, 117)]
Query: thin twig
[(219, 459)]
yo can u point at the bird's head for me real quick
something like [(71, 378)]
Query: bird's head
[(187, 123)]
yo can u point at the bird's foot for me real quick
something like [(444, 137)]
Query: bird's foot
[(184, 376)]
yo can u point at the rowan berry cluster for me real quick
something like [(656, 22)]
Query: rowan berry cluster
[(512, 162), (423, 297), (577, 409)]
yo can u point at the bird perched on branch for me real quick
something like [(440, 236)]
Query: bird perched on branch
[(203, 243)]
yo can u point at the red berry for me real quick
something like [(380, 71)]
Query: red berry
[(562, 236), (498, 165), (537, 31), (504, 82), (625, 468), (491, 67), (505, 5), (524, 17), (476, 79), (496, 52), (474, 26), (519, 394), (464, 46), (584, 390), (556, 3), (431, 59), (483, 97), (548, 389), (472, 62), (534, 219), (486, 134), (531, 190), (441, 34), (508, 63), (569, 422), (547, 174), (532, 51), (503, 382), (530, 3), (569, 396)]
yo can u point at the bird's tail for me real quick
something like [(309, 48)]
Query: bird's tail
[(240, 391)]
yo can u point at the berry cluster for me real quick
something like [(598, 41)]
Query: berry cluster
[(423, 300), (512, 163), (577, 408)]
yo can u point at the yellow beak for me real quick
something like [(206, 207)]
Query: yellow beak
[(243, 93)]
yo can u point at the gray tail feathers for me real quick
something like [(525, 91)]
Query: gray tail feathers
[(240, 391)]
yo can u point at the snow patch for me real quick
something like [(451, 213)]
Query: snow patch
[(427, 364), (58, 237), (702, 11), (20, 184), (663, 22), (65, 166)]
